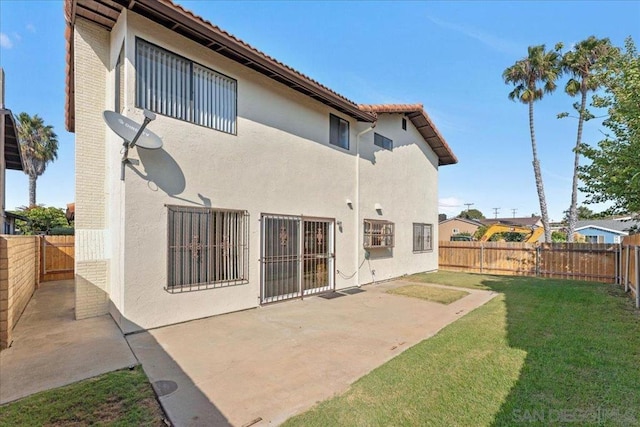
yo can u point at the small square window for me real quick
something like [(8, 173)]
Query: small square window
[(338, 132), (382, 141), (404, 124)]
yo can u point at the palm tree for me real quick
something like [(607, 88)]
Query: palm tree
[(581, 63), (39, 147), (538, 67)]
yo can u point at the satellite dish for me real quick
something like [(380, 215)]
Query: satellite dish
[(132, 132)]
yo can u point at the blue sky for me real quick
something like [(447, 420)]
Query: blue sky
[(447, 55)]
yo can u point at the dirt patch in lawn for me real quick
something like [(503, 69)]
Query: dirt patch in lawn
[(429, 293)]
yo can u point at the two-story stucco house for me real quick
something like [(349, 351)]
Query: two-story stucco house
[(269, 186)]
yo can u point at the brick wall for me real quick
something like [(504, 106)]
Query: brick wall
[(91, 50), (19, 275)]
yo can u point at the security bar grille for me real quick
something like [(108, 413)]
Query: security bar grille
[(177, 87), (378, 234), (297, 257), (208, 248)]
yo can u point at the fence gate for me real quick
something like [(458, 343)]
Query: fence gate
[(297, 257), (57, 258)]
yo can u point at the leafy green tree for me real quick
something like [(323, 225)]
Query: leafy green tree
[(582, 63), (480, 232), (41, 219), (539, 67), (471, 214), (558, 236), (582, 212), (39, 146), (613, 174)]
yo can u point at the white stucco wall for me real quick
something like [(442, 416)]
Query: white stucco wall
[(279, 162)]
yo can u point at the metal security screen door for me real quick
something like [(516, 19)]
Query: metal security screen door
[(297, 257)]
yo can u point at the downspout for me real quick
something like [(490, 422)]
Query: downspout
[(357, 207)]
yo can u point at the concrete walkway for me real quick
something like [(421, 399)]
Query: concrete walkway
[(259, 367), (51, 349)]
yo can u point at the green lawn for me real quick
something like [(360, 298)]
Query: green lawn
[(429, 293), (544, 352), (123, 398)]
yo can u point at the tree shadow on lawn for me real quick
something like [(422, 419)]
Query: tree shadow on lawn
[(582, 341)]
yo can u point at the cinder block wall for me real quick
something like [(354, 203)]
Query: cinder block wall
[(91, 48), (19, 278)]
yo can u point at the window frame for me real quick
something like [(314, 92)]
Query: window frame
[(382, 141), (191, 96), (420, 248), (379, 235), (340, 120), (214, 247), (404, 124)]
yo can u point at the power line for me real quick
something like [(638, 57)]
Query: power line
[(495, 212), (514, 212)]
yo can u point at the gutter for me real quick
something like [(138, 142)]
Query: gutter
[(357, 207)]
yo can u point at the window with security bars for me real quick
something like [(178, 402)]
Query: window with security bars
[(422, 237), (207, 248), (378, 234), (174, 86)]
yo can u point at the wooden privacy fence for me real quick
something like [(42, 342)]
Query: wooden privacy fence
[(56, 258), (629, 266), (580, 261)]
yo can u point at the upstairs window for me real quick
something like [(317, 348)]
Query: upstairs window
[(174, 86), (422, 237), (338, 132), (404, 124), (378, 234), (382, 141)]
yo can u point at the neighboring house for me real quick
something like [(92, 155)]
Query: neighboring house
[(527, 221), (603, 230), (269, 185), (452, 226), (11, 158)]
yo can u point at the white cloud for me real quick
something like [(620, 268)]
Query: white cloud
[(31, 28), (450, 205), (5, 41), (489, 40)]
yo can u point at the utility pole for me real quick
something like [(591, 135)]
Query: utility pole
[(495, 212), (514, 212), (467, 205)]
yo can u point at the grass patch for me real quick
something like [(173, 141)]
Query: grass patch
[(117, 398), (544, 352), (429, 293)]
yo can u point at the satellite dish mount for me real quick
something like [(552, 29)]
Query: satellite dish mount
[(132, 134)]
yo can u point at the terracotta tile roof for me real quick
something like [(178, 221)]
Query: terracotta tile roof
[(423, 123), (182, 21)]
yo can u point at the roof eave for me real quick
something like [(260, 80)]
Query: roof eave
[(12, 154), (181, 21), (424, 125)]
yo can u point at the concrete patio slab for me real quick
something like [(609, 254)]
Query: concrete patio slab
[(262, 366), (51, 349)]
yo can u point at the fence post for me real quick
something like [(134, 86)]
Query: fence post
[(637, 253), (627, 269), (616, 262), (481, 257), (538, 252)]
